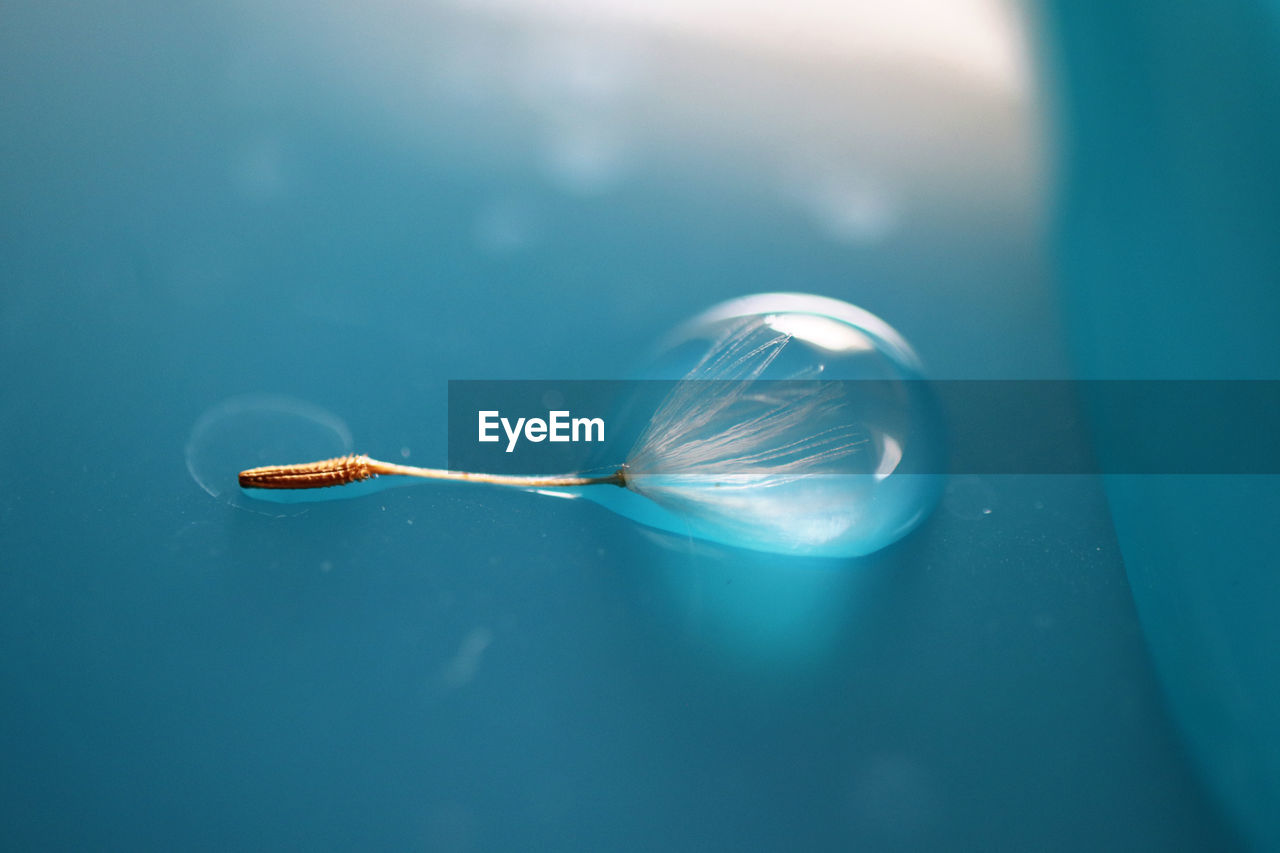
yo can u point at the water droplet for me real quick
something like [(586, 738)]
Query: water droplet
[(805, 468)]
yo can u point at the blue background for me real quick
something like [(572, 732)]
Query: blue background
[(351, 208)]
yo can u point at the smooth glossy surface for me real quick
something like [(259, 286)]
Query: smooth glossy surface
[(344, 204), (1171, 216)]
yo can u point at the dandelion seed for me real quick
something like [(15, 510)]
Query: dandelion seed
[(762, 444)]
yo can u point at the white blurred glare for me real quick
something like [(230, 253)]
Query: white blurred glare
[(865, 117), (565, 68), (585, 158), (851, 209), (977, 38)]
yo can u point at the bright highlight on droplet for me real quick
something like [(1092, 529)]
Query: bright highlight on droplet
[(800, 467)]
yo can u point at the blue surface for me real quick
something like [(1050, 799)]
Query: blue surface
[(204, 203), (1172, 270)]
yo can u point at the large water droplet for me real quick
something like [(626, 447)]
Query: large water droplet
[(803, 466)]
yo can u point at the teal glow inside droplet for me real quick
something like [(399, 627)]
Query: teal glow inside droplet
[(861, 463)]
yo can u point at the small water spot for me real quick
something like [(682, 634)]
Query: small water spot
[(260, 429)]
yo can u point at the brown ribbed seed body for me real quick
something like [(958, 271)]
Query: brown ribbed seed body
[(338, 471), (352, 469)]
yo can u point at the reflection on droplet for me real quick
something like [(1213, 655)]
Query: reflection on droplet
[(260, 429), (754, 611)]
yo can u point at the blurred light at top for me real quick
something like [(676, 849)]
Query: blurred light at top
[(979, 39)]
